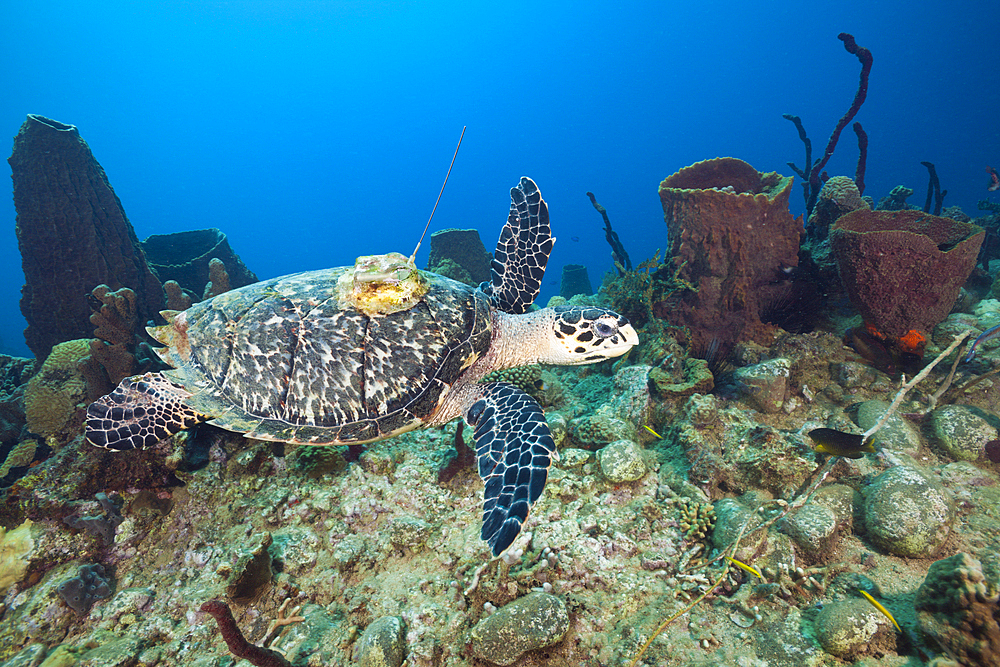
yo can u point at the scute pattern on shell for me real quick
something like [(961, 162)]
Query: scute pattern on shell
[(283, 360)]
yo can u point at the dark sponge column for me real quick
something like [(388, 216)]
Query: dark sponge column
[(73, 235)]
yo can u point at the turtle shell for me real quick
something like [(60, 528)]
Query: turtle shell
[(287, 359)]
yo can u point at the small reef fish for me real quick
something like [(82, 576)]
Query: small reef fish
[(875, 603), (653, 432), (994, 183), (992, 332), (743, 566), (838, 443)]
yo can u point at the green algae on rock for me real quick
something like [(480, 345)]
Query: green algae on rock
[(534, 621), (765, 384), (897, 435), (621, 461), (963, 431), (853, 628), (382, 644), (908, 514)]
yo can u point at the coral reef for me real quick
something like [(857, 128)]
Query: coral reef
[(903, 270), (14, 375), (218, 279), (526, 378), (529, 623), (115, 352), (731, 236), (177, 298), (904, 492), (185, 258), (70, 223), (21, 454), (102, 525), (460, 255), (383, 643), (15, 547)]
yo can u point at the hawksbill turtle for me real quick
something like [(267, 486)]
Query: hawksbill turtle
[(357, 354)]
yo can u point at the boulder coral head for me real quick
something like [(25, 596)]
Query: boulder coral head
[(903, 269), (958, 605), (840, 195), (731, 237)]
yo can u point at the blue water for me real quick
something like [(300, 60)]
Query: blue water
[(314, 132)]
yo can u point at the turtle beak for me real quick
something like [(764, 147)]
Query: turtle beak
[(631, 337)]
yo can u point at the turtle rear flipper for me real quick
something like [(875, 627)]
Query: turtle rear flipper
[(140, 412), (522, 252), (514, 449)]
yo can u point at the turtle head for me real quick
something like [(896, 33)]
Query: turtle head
[(586, 335)]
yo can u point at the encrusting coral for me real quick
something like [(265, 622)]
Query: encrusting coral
[(54, 393)]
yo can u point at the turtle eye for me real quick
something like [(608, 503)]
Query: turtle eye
[(605, 329)]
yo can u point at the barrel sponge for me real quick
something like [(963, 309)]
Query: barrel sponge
[(903, 269), (52, 395), (731, 235), (73, 234)]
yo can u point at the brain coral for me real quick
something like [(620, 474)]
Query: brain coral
[(903, 269), (51, 397), (839, 195)]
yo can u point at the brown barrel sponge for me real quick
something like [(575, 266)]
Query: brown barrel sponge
[(73, 235), (903, 269), (731, 236)]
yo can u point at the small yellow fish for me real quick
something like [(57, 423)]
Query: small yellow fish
[(743, 566), (882, 609), (653, 432), (838, 443)]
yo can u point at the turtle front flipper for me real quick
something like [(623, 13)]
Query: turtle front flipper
[(140, 412), (514, 449), (522, 251)]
